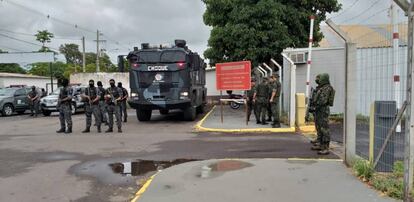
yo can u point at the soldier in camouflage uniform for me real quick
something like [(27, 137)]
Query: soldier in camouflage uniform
[(91, 98), (123, 102), (261, 97), (251, 106), (271, 85), (102, 104), (323, 100), (113, 98), (274, 100), (64, 106)]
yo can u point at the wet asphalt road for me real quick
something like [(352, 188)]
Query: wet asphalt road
[(39, 165)]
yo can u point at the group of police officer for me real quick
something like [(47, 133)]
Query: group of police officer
[(102, 103), (263, 100)]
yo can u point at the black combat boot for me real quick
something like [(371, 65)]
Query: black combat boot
[(69, 130), (99, 129), (109, 130), (264, 123), (119, 130), (61, 130), (125, 120), (258, 122), (316, 147), (87, 130), (324, 150)]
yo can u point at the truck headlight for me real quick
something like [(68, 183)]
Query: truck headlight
[(134, 96), (184, 95)]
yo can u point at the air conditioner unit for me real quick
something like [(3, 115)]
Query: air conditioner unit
[(299, 58)]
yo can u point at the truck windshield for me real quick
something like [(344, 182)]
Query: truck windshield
[(160, 57)]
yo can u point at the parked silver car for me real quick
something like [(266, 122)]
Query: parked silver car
[(48, 104)]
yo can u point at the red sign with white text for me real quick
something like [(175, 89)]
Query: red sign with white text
[(233, 75)]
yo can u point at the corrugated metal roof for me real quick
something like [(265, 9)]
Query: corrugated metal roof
[(15, 75), (365, 36)]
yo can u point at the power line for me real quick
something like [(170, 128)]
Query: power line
[(32, 35), (362, 13), (6, 47), (346, 9), (28, 42), (76, 26)]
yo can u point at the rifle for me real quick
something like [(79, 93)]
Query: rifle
[(311, 108)]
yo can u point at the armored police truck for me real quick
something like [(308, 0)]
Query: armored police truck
[(165, 78)]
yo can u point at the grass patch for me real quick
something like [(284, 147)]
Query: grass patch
[(390, 184), (363, 169)]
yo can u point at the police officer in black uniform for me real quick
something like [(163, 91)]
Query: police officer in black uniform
[(123, 101), (113, 99), (64, 106), (91, 99)]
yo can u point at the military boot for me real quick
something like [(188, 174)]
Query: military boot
[(258, 122), (99, 129), (125, 120), (69, 130), (264, 123), (109, 130), (316, 147), (119, 130), (315, 141), (61, 130), (324, 150), (87, 130)]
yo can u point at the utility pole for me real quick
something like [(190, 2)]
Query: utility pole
[(83, 55), (395, 61), (97, 51), (409, 133)]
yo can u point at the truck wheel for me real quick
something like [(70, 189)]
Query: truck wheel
[(201, 108), (190, 113), (164, 111), (144, 115), (46, 112), (7, 110)]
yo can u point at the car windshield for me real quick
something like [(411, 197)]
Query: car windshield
[(56, 92), (7, 92)]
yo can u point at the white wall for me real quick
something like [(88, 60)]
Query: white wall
[(104, 77), (211, 84), (38, 82), (331, 61)]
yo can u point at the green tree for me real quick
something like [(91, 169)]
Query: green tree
[(12, 67), (72, 54), (44, 37), (43, 69), (258, 30), (105, 63)]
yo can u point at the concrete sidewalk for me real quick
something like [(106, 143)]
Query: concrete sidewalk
[(234, 120), (258, 180)]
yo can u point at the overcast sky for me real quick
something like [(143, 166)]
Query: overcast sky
[(128, 23)]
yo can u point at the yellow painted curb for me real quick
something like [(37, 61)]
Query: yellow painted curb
[(199, 128), (143, 189), (307, 129)]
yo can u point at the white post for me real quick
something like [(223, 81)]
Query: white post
[(270, 69), (281, 81), (263, 70), (312, 18), (396, 68), (292, 110)]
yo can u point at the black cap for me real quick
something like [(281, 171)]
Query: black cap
[(99, 83), (111, 80), (91, 80)]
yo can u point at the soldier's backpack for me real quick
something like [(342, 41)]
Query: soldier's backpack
[(331, 98)]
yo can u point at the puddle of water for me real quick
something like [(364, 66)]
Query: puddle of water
[(141, 167), (229, 165), (124, 172)]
